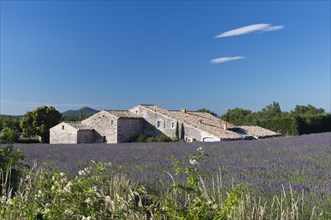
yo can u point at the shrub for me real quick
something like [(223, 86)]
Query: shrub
[(142, 138), (163, 138), (12, 168)]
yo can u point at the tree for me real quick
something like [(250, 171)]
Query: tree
[(237, 116), (271, 110), (8, 135), (177, 131), (307, 110), (207, 111), (39, 121)]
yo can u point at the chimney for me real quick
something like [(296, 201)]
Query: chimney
[(184, 110), (225, 125)]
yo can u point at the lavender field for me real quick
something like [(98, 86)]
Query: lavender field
[(304, 162)]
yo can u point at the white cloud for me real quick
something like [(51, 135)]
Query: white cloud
[(226, 59), (249, 29)]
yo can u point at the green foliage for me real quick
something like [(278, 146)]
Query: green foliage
[(271, 111), (91, 195), (163, 138), (142, 138), (177, 131), (307, 110), (147, 138), (39, 121), (307, 124), (12, 168), (197, 203), (302, 120), (98, 193), (237, 116), (207, 111), (284, 125), (8, 135), (11, 122)]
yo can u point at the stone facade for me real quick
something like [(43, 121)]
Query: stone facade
[(71, 133), (117, 126), (160, 121), (128, 129), (105, 125)]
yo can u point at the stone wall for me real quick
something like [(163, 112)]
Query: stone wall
[(157, 123), (85, 136), (63, 134), (167, 127), (128, 129), (193, 134), (105, 125)]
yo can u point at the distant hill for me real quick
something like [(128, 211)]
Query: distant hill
[(87, 111)]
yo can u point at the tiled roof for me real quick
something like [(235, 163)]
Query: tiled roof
[(259, 131), (122, 113), (201, 120), (78, 125)]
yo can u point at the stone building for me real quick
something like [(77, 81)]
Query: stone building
[(117, 126), (71, 133)]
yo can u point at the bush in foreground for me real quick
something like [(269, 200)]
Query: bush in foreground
[(98, 193)]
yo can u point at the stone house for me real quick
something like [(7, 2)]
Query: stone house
[(71, 133), (117, 126)]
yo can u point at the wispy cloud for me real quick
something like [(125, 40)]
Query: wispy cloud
[(226, 59), (250, 29)]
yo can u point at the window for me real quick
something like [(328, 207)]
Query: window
[(189, 139), (111, 122), (62, 127), (173, 125), (160, 124)]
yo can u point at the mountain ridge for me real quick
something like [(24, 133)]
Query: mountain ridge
[(85, 111)]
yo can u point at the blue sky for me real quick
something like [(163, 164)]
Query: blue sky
[(117, 54)]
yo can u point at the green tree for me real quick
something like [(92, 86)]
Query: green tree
[(271, 110), (237, 116), (177, 131), (8, 135), (39, 121), (207, 111), (307, 110)]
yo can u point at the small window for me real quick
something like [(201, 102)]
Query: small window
[(173, 125), (62, 127), (160, 124), (111, 122), (189, 139)]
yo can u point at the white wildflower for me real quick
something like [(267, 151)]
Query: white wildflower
[(107, 199), (3, 199), (87, 170), (46, 211), (86, 218), (199, 149), (87, 201), (67, 188), (68, 212), (9, 202), (193, 161), (39, 194), (81, 172)]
